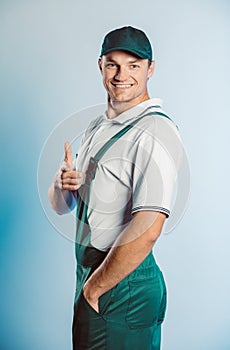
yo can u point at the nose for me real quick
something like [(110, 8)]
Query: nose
[(121, 74)]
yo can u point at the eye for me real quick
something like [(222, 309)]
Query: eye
[(111, 65), (134, 66)]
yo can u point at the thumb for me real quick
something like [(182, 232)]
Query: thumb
[(68, 155)]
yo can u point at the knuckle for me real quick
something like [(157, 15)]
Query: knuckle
[(72, 175), (64, 175)]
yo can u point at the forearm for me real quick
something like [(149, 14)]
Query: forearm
[(61, 201), (132, 247)]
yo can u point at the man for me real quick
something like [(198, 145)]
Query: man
[(123, 190)]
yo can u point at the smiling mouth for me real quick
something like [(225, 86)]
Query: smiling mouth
[(122, 86)]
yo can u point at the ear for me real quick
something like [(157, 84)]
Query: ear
[(151, 69), (99, 64)]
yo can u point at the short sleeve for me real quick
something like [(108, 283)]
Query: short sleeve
[(157, 160)]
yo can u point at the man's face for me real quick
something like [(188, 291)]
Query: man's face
[(125, 77)]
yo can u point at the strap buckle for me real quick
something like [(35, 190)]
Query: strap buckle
[(91, 171)]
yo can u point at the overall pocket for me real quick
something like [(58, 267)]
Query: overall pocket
[(145, 298), (103, 303)]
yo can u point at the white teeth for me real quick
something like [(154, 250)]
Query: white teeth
[(123, 86)]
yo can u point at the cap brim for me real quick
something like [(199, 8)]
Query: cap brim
[(122, 48)]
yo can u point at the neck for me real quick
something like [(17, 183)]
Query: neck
[(114, 108)]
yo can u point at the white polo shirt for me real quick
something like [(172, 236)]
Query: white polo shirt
[(138, 172)]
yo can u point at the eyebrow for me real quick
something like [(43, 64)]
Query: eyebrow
[(109, 59)]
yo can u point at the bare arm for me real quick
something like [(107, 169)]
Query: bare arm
[(130, 249)]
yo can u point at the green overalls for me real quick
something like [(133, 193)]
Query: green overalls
[(131, 313)]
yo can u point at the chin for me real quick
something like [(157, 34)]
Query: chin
[(122, 98)]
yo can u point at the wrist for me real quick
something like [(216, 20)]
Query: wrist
[(91, 292)]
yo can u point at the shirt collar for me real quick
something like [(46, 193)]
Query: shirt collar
[(135, 111)]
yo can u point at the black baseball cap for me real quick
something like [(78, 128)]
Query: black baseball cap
[(128, 39)]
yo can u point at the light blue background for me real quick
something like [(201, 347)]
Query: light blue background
[(48, 63)]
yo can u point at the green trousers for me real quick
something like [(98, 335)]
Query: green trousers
[(130, 314)]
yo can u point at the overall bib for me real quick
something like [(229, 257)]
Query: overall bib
[(131, 313)]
